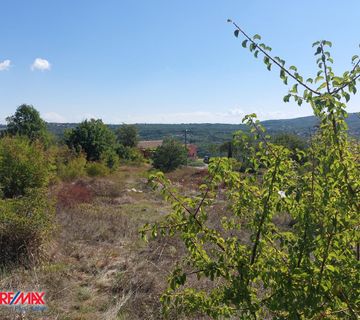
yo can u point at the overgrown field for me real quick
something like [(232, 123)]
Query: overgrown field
[(97, 266)]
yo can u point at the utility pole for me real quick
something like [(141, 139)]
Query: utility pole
[(187, 152)]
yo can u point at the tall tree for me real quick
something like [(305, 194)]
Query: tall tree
[(127, 135), (92, 137), (27, 122), (170, 155)]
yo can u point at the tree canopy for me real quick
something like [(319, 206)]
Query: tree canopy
[(170, 155), (127, 135), (27, 122), (92, 137)]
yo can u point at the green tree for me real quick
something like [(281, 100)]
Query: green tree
[(228, 148), (292, 142), (23, 166), (27, 122), (92, 137), (127, 135), (247, 266), (169, 156)]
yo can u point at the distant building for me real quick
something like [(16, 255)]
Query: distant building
[(148, 147), (192, 151)]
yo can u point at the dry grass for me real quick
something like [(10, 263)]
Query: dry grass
[(98, 268)]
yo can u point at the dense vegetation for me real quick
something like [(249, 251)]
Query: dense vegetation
[(208, 136), (170, 155), (240, 263), (30, 161), (26, 212), (26, 121), (91, 137)]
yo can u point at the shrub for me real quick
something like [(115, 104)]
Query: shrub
[(25, 225), (92, 137), (23, 165), (129, 154), (110, 159), (69, 165), (291, 141), (74, 168), (127, 135), (73, 194), (169, 156), (96, 169)]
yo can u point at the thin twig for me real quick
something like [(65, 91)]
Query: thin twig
[(277, 63)]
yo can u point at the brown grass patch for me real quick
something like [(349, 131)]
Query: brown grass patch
[(72, 194)]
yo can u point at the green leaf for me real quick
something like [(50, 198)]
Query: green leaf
[(294, 88), (257, 37), (322, 86), (244, 43), (346, 96), (236, 33), (287, 98), (318, 78)]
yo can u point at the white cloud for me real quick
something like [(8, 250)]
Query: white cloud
[(40, 64), (5, 65), (54, 117)]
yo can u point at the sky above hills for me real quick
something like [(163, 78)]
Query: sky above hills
[(163, 61)]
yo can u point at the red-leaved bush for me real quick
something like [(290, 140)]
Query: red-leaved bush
[(72, 194)]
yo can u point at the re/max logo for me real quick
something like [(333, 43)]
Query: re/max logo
[(22, 298)]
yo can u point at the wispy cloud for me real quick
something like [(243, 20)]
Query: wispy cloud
[(5, 65), (41, 64)]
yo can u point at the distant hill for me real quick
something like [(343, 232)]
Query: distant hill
[(301, 126), (206, 134)]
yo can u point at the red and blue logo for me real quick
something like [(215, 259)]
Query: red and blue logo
[(33, 299)]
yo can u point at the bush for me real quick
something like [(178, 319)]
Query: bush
[(96, 169), (92, 137), (129, 154), (69, 165), (291, 141), (127, 135), (23, 165), (73, 194), (111, 160), (25, 224), (169, 156), (75, 168)]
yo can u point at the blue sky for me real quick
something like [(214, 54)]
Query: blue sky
[(162, 61)]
